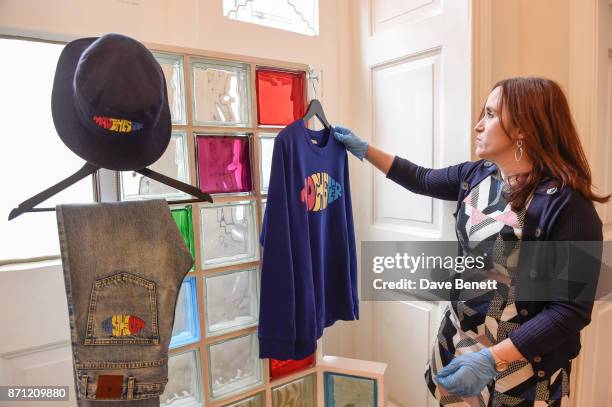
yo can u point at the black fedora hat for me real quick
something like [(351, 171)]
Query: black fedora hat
[(109, 102)]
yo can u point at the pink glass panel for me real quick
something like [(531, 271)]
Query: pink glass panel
[(280, 97), (224, 164)]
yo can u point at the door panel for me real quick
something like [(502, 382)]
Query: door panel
[(389, 13), (405, 328), (403, 97), (411, 96)]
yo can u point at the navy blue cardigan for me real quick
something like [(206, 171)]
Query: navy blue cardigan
[(549, 334)]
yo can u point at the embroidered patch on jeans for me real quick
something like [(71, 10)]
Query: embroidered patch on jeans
[(123, 325), (109, 387)]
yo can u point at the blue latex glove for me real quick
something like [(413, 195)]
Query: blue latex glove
[(354, 144), (467, 375)]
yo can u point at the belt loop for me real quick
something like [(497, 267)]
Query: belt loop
[(84, 380), (130, 388)]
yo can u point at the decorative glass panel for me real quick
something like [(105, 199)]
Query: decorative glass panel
[(300, 16), (173, 163), (280, 97), (345, 390), (184, 387), (228, 234), (231, 301), (234, 365), (224, 164), (255, 401), (280, 368), (221, 93), (266, 147), (186, 327), (184, 220), (300, 392), (172, 65)]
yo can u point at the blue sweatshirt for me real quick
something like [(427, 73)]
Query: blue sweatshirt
[(309, 264)]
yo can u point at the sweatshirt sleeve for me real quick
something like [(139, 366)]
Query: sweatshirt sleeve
[(276, 330), (441, 183), (351, 239), (578, 222)]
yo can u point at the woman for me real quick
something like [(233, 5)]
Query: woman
[(508, 352)]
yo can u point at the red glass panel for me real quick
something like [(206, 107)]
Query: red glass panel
[(224, 164), (283, 367), (280, 97)]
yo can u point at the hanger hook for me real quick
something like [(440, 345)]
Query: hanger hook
[(312, 77)]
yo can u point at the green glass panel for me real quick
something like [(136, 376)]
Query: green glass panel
[(184, 220)]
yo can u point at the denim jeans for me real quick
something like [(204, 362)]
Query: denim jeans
[(123, 267)]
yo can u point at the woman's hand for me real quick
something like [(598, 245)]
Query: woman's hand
[(354, 144), (468, 374)]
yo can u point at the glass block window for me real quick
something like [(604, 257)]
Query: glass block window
[(220, 145), (221, 93), (174, 163), (255, 401), (231, 301), (346, 390), (224, 163), (184, 220), (279, 368), (220, 298), (184, 387), (234, 366), (300, 16), (300, 392), (186, 328), (280, 97), (228, 234), (172, 66), (266, 147)]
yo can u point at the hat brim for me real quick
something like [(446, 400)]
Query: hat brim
[(123, 155)]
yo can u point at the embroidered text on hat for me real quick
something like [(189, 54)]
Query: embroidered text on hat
[(117, 125)]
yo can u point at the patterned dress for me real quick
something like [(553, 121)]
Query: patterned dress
[(487, 226)]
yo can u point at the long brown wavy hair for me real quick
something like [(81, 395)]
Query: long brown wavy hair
[(539, 108)]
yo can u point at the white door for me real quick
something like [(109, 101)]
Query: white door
[(412, 68)]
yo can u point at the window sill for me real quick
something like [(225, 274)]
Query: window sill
[(30, 264)]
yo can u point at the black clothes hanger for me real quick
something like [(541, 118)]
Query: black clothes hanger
[(315, 109), (88, 169)]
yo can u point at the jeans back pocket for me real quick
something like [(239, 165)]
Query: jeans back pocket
[(122, 310)]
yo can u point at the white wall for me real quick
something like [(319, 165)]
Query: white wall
[(531, 38)]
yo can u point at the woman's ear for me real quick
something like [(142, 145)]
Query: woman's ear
[(518, 134)]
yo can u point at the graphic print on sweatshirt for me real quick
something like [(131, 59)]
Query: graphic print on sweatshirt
[(319, 191)]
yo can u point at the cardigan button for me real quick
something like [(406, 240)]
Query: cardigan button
[(538, 232), (488, 163), (524, 312), (541, 373), (551, 191), (537, 359), (533, 273), (465, 185)]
